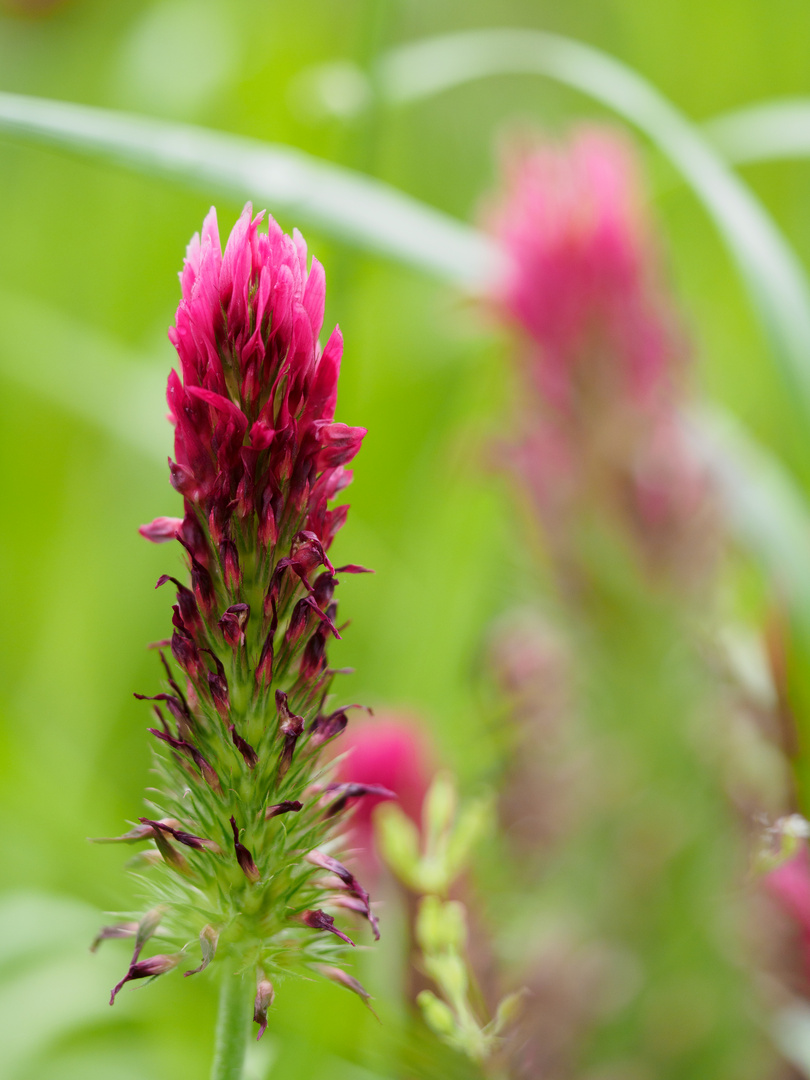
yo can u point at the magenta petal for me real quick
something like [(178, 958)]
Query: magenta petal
[(162, 529)]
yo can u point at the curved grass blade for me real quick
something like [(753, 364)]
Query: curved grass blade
[(359, 209), (768, 512), (769, 131), (770, 269)]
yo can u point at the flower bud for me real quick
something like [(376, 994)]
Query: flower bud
[(264, 999), (233, 622), (209, 937), (438, 1016), (146, 969)]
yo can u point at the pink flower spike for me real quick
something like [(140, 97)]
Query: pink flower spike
[(239, 733), (580, 260), (603, 353)]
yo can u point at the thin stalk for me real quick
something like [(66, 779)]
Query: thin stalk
[(233, 1027)]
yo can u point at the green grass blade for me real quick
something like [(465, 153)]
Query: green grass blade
[(768, 131), (356, 208), (767, 511), (771, 270)]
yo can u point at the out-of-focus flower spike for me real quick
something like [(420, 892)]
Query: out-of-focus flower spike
[(603, 355)]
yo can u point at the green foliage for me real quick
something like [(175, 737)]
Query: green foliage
[(450, 833), (448, 836), (87, 277)]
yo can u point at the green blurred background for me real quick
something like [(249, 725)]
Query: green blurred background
[(87, 281)]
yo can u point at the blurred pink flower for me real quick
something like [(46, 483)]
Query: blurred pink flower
[(603, 356), (789, 885), (391, 751), (581, 278)]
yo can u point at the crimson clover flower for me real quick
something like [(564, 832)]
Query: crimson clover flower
[(239, 834)]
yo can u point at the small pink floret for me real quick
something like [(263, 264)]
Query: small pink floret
[(162, 529)]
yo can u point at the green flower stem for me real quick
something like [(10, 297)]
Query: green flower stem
[(233, 1026)]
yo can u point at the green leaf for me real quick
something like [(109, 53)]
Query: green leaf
[(768, 131), (353, 207), (398, 840)]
